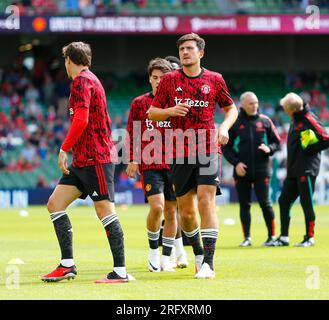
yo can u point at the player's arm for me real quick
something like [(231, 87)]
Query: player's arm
[(316, 138), (131, 135), (80, 95), (274, 140), (158, 110), (231, 114), (158, 114)]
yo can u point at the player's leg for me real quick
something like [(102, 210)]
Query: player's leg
[(209, 228), (261, 186), (207, 176), (62, 196), (178, 255), (306, 186), (184, 184), (154, 185), (190, 226), (106, 213), (181, 259), (153, 221), (243, 188), (169, 233), (287, 198), (98, 181)]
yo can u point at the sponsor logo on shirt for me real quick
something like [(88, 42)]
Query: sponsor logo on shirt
[(150, 125), (192, 103)]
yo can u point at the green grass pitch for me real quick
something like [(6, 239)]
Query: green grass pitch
[(241, 273)]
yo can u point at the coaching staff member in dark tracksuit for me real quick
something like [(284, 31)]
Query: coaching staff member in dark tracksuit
[(253, 139), (306, 139)]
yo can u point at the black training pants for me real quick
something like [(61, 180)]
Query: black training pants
[(302, 186), (261, 186)]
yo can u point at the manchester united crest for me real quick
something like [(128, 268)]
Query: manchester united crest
[(205, 89), (148, 187)]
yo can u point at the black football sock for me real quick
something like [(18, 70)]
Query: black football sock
[(115, 237), (63, 229), (194, 240), (209, 238), (167, 245), (153, 238)]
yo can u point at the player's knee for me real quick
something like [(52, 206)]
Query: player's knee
[(170, 213), (205, 202), (170, 216), (187, 215), (51, 205), (156, 209)]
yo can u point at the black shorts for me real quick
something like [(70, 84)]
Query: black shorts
[(94, 181), (202, 171), (156, 182)]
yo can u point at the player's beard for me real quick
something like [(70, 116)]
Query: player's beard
[(190, 64)]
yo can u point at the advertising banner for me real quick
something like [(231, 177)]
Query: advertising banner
[(238, 24)]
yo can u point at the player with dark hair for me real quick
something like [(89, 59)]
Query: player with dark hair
[(155, 175), (178, 255), (188, 96), (92, 170), (306, 139), (253, 139), (174, 61)]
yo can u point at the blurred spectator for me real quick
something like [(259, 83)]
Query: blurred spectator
[(87, 7), (48, 90), (2, 163), (28, 159), (33, 110), (31, 93), (43, 149), (41, 182)]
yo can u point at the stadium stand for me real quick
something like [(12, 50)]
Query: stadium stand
[(273, 6), (162, 7), (34, 120)]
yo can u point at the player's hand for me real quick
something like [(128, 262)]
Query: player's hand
[(62, 162), (223, 136), (132, 170), (241, 169), (264, 148), (180, 110)]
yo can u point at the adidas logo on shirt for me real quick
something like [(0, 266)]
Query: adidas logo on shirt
[(179, 89)]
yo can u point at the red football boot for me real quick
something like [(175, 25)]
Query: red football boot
[(60, 273)]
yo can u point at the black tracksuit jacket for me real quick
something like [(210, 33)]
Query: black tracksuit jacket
[(306, 162), (245, 136)]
